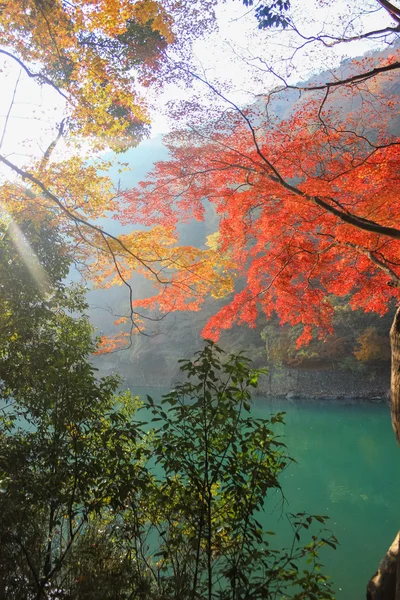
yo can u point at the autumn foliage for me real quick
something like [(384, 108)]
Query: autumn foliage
[(94, 52), (372, 347), (307, 205), (97, 57), (306, 202)]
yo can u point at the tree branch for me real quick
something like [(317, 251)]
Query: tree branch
[(32, 75), (52, 145), (391, 9), (25, 175), (359, 78), (10, 109), (274, 175), (329, 40), (394, 278)]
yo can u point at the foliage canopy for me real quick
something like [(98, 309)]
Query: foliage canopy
[(93, 504)]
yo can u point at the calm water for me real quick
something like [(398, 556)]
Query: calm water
[(348, 467)]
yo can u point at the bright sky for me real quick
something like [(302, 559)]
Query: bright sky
[(231, 56), (34, 113), (36, 110)]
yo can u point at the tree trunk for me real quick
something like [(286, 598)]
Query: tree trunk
[(397, 590), (395, 374), (385, 585)]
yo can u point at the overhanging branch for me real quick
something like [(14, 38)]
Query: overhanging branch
[(327, 203), (76, 218), (38, 76)]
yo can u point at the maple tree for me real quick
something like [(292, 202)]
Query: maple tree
[(94, 52), (87, 52), (97, 57), (307, 202)]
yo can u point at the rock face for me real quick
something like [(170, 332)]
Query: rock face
[(385, 584), (328, 384), (153, 369)]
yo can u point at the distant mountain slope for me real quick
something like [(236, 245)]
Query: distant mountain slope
[(153, 360)]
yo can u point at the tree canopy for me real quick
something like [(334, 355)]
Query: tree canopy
[(94, 501), (306, 199), (95, 53), (98, 58), (291, 195)]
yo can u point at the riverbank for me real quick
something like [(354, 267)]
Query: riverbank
[(327, 385)]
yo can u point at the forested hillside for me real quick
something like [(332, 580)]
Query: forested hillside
[(359, 347), (265, 220)]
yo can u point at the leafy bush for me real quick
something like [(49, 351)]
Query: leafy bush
[(95, 507), (216, 466), (372, 347)]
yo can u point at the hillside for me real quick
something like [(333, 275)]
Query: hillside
[(358, 350)]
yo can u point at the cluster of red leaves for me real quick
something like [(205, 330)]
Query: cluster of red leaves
[(265, 178)]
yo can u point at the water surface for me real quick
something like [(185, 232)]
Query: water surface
[(348, 467)]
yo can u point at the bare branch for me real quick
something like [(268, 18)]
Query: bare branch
[(351, 80), (52, 145), (329, 40), (10, 109), (360, 77), (39, 76)]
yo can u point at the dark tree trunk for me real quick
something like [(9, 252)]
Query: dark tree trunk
[(395, 374), (385, 584)]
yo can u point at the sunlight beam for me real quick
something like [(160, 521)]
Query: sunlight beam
[(27, 254)]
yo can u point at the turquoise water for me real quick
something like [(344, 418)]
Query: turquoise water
[(348, 467)]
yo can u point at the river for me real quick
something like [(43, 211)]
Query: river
[(348, 467)]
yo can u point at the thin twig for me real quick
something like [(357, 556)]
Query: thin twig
[(10, 109), (38, 76)]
